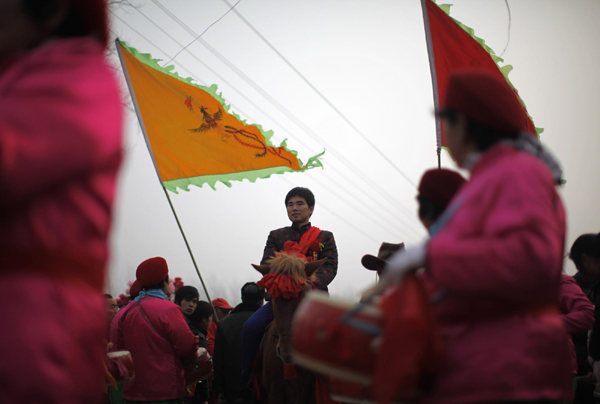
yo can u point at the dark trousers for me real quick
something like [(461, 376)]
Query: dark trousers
[(252, 334)]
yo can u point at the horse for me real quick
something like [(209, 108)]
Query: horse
[(287, 278)]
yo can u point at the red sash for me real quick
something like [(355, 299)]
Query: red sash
[(301, 248)]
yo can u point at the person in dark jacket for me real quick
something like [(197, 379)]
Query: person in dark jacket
[(199, 321), (228, 345)]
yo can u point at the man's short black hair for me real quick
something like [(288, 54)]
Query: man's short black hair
[(585, 244), (187, 293), (203, 310), (305, 193), (252, 293)]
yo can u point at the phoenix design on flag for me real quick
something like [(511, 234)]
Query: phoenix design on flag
[(210, 121)]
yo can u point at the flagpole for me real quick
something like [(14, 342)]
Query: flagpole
[(143, 127), (188, 247), (436, 97)]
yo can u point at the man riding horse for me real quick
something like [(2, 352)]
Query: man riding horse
[(300, 238)]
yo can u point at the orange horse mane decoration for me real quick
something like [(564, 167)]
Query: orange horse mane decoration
[(284, 276)]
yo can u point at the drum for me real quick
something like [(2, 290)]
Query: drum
[(120, 366), (350, 392), (336, 338), (198, 368)]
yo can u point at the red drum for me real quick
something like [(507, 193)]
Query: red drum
[(198, 368), (349, 392), (120, 366), (335, 339)]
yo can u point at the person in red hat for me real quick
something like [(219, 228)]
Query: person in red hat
[(60, 143), (497, 250), (154, 330), (222, 309), (436, 189)]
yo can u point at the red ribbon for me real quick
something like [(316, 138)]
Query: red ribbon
[(280, 285), (306, 241)]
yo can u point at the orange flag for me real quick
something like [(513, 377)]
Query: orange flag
[(191, 134)]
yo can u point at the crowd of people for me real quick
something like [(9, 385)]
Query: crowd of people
[(515, 328)]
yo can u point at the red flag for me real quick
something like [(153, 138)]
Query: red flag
[(451, 47)]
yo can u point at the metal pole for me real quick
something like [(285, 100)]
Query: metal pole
[(434, 82), (189, 250), (143, 127)]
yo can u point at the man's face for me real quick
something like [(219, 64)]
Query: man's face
[(188, 306), (298, 210), (112, 306)]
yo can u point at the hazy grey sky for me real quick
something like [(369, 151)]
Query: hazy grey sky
[(369, 59)]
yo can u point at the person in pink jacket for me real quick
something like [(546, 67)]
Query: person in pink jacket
[(158, 337), (576, 311), (60, 150), (497, 252)]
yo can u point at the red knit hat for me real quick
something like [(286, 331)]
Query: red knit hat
[(135, 288), (439, 185), (485, 99), (152, 271)]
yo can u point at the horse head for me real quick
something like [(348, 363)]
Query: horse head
[(287, 278)]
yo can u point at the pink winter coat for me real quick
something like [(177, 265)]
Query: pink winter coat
[(577, 313), (500, 257), (157, 354), (60, 148)]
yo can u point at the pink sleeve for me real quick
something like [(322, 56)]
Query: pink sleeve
[(56, 123), (516, 248), (183, 340), (577, 311)]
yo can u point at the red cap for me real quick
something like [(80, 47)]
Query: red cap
[(439, 185), (152, 271), (486, 99), (222, 304), (135, 288)]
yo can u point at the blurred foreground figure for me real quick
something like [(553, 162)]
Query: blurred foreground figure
[(60, 141), (497, 250)]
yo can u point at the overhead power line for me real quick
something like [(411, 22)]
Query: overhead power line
[(292, 116), (392, 231), (322, 96), (203, 32), (410, 229)]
